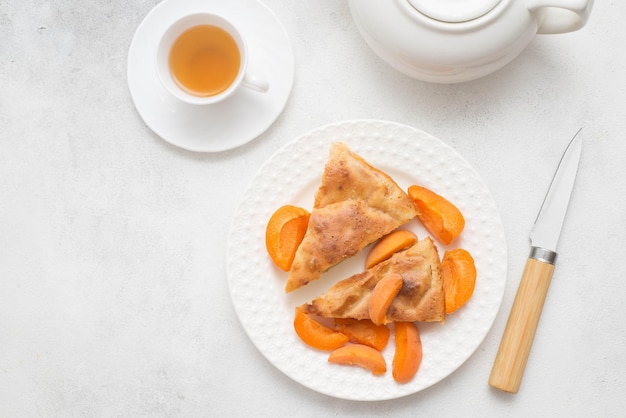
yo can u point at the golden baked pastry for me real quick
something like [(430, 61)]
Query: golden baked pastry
[(421, 296), (355, 205)]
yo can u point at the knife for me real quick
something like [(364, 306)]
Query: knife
[(519, 332)]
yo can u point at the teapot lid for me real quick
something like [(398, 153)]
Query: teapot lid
[(453, 11)]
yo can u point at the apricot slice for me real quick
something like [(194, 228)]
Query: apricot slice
[(364, 331), (389, 245), (284, 233), (382, 296), (408, 355), (316, 334), (440, 217), (458, 273), (360, 355)]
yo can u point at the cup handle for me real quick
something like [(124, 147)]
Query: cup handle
[(255, 83), (560, 16)]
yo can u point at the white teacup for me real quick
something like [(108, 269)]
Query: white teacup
[(203, 59)]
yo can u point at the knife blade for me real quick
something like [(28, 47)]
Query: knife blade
[(519, 333)]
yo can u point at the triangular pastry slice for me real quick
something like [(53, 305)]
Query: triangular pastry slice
[(421, 297), (355, 205)]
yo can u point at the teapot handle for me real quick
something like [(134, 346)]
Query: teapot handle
[(560, 16)]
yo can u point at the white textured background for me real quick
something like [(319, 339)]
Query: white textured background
[(113, 295)]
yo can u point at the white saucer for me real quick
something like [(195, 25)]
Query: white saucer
[(238, 119)]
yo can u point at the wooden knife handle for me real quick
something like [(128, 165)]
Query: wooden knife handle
[(519, 333)]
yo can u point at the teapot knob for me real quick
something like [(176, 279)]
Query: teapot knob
[(560, 16)]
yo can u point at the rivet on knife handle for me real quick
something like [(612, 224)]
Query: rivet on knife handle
[(508, 369)]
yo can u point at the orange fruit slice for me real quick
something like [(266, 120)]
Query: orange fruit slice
[(284, 233), (316, 334), (364, 331), (360, 355), (389, 245), (382, 296), (408, 355), (458, 273), (440, 217)]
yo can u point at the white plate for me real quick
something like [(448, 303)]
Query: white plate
[(292, 176), (235, 121)]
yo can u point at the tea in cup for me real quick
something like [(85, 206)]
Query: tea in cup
[(202, 58)]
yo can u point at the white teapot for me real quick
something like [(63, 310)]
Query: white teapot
[(451, 41)]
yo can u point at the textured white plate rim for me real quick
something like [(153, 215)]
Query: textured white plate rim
[(291, 176), (162, 112)]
